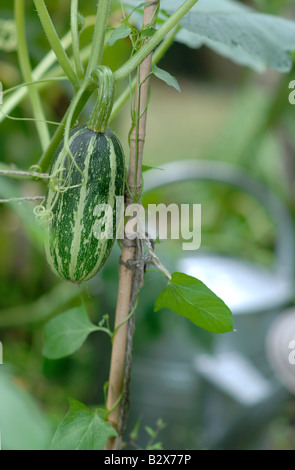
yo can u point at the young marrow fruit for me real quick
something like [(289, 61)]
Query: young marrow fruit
[(74, 247)]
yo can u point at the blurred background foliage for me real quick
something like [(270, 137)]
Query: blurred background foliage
[(224, 113)]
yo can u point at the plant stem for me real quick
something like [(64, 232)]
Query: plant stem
[(34, 82), (45, 64), (157, 56), (25, 66), (76, 39), (5, 170), (156, 38), (17, 96), (130, 281), (42, 309), (46, 158), (55, 42), (22, 199), (102, 15)]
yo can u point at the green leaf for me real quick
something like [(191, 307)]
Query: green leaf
[(208, 5), (237, 55), (190, 298), (81, 429), (24, 425), (150, 431), (148, 32), (238, 32), (121, 32), (136, 4), (156, 446), (235, 52), (166, 77), (147, 168), (66, 333)]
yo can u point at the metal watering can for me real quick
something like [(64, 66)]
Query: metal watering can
[(239, 386)]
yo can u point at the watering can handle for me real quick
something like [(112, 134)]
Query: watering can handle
[(223, 172)]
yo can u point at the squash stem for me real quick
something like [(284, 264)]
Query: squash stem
[(104, 99)]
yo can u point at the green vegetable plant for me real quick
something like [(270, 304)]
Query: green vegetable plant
[(84, 166)]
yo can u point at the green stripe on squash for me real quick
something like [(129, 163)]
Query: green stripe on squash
[(74, 249)]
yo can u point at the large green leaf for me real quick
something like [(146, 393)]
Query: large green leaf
[(207, 5), (23, 424), (66, 333), (235, 54), (190, 298), (245, 36), (237, 32), (81, 429)]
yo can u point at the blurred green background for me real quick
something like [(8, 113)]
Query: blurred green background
[(226, 114)]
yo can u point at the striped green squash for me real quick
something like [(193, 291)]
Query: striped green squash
[(74, 246)]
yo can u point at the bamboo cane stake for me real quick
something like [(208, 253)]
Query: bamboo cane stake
[(128, 280)]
